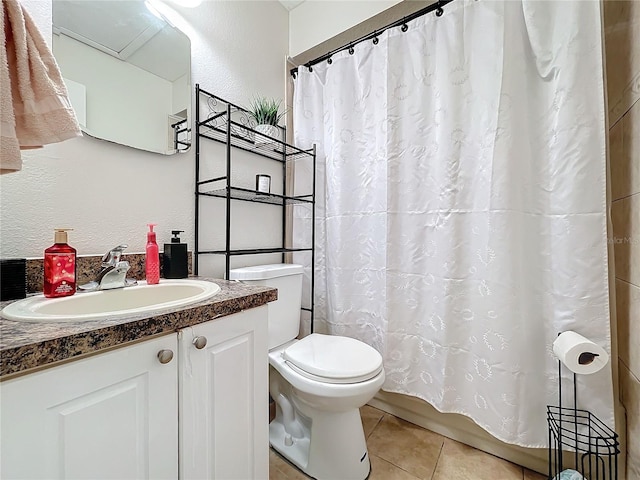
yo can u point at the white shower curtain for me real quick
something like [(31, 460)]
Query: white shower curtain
[(461, 206)]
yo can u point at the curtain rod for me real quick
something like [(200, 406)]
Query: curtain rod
[(437, 6)]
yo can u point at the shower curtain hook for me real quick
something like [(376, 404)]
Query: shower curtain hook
[(329, 61), (375, 37), (439, 10), (405, 27), (310, 67), (351, 50)]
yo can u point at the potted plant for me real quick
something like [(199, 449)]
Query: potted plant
[(266, 112)]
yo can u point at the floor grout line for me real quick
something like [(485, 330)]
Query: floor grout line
[(376, 425), (397, 466), (435, 467)]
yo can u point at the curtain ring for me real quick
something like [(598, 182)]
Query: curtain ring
[(404, 27), (351, 50), (375, 40), (310, 68), (329, 61), (293, 74), (439, 12)]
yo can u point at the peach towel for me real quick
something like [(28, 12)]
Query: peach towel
[(34, 104)]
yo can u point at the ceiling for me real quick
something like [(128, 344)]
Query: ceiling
[(126, 30), (291, 4)]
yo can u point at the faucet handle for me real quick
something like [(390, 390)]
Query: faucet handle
[(112, 257)]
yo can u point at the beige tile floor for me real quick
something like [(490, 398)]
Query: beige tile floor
[(400, 450)]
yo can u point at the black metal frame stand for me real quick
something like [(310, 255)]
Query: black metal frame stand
[(233, 126), (595, 446)]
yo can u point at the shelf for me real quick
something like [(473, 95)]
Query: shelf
[(242, 137), (254, 251), (224, 116), (258, 197)]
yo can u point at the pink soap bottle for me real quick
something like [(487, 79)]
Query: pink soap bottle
[(152, 261)]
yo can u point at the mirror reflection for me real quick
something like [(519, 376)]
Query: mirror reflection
[(127, 71)]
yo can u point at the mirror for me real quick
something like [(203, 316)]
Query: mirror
[(127, 71)]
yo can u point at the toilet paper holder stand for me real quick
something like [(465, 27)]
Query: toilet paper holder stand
[(579, 440)]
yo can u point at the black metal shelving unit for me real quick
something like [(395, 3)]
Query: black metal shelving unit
[(579, 440), (222, 121)]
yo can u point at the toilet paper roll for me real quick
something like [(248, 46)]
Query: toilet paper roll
[(579, 354)]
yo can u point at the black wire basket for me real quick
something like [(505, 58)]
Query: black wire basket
[(580, 441)]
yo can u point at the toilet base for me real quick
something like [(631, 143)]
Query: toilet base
[(332, 447)]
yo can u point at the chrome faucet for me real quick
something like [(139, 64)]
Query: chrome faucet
[(113, 273), (112, 257)]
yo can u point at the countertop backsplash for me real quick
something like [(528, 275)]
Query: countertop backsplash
[(88, 266)]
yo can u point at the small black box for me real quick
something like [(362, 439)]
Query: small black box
[(13, 279)]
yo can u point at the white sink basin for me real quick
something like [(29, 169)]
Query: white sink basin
[(111, 304)]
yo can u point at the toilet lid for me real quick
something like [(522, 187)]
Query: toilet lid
[(334, 359)]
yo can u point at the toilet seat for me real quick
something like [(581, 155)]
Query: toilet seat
[(333, 359)]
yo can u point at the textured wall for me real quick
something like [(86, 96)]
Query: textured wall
[(622, 40), (107, 192), (315, 21)]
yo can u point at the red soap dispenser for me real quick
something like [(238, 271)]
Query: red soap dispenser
[(59, 267), (152, 261)]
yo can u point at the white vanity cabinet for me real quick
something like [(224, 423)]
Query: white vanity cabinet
[(125, 414), (109, 416), (224, 398)]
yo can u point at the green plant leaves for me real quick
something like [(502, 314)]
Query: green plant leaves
[(265, 111)]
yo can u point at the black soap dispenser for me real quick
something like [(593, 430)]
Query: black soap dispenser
[(175, 262)]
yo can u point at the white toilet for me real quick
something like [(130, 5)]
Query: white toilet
[(319, 383)]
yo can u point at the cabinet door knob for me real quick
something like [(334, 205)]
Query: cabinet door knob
[(165, 356), (200, 342)]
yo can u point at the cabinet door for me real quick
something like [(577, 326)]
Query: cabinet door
[(224, 398), (109, 416)]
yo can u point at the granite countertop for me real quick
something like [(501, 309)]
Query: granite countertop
[(26, 346)]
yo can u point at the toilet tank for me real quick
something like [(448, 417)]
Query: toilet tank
[(284, 313)]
